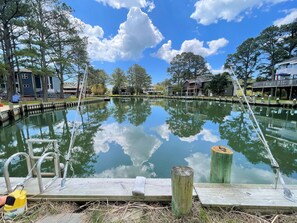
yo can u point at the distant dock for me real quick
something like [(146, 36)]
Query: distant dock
[(15, 111)]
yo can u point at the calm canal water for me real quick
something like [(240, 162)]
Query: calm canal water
[(147, 137)]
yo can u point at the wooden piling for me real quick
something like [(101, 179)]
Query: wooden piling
[(221, 164), (182, 188)]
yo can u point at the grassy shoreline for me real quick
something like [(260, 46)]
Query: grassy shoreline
[(140, 212)]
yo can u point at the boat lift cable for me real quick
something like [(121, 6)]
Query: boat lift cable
[(74, 127), (287, 192)]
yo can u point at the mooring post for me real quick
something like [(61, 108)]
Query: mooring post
[(220, 164), (269, 99), (294, 102), (182, 190), (11, 111)]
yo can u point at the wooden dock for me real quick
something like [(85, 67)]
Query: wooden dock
[(15, 111), (120, 189)]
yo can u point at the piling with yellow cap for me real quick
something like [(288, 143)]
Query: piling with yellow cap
[(16, 204)]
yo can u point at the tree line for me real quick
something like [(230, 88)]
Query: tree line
[(262, 53), (41, 36), (133, 82), (257, 55)]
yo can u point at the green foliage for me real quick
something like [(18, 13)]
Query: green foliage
[(118, 79), (97, 76), (289, 33), (245, 60), (115, 90), (177, 89), (11, 14), (186, 66), (98, 89), (138, 78), (271, 47), (219, 83)]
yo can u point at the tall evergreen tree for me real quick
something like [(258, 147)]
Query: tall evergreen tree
[(39, 24), (80, 59), (64, 41), (245, 60), (10, 12), (118, 80), (138, 78), (186, 66), (289, 33), (271, 47)]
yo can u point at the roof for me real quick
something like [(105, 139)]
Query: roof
[(200, 79), (24, 70), (289, 61)]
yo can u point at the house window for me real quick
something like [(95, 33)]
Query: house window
[(50, 84), (24, 76), (26, 85)]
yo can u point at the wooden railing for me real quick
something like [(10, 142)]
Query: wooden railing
[(279, 83)]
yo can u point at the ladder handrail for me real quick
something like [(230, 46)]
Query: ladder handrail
[(6, 173), (38, 170)]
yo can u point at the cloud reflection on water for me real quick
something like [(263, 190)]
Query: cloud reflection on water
[(134, 141), (129, 172), (201, 165)]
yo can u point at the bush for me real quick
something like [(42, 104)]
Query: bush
[(98, 89), (115, 90)]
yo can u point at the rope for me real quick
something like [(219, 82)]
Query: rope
[(287, 192), (74, 128)]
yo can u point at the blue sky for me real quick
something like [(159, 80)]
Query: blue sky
[(151, 32)]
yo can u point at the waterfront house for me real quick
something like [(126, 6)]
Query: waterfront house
[(30, 81), (70, 88), (285, 83), (196, 87), (151, 91), (199, 87)]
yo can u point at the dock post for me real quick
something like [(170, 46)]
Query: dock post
[(294, 102), (220, 164), (269, 99), (182, 190), (11, 111)]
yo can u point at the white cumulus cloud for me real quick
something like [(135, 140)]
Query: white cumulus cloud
[(211, 11), (287, 19), (117, 4), (134, 35), (195, 46)]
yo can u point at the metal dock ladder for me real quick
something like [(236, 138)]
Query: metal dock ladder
[(34, 163)]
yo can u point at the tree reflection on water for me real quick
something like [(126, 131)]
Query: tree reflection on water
[(126, 137)]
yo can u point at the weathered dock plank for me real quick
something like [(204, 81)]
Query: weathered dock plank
[(95, 189), (247, 196)]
